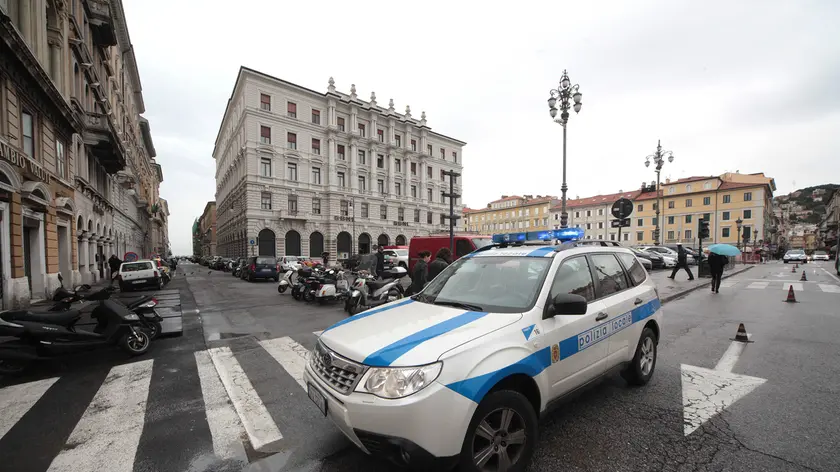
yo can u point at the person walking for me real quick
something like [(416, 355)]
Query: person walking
[(442, 259), (380, 261), (682, 263), (326, 257), (114, 264), (420, 273), (716, 264)]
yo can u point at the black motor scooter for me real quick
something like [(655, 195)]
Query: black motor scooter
[(143, 306), (51, 334)]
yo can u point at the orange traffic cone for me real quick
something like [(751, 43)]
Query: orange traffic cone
[(741, 335), (803, 279), (791, 298), (792, 270)]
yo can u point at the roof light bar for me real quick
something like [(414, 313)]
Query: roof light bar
[(563, 235)]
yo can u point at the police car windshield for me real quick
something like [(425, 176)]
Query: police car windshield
[(497, 284)]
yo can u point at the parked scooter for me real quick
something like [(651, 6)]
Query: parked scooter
[(143, 306), (368, 292), (333, 287), (45, 335), (286, 282)]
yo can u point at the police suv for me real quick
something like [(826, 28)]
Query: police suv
[(460, 373)]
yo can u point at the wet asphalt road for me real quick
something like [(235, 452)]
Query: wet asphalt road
[(788, 423)]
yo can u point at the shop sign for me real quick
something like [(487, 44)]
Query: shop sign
[(400, 223), (21, 160), (343, 218)]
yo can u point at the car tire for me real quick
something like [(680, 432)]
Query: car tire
[(496, 409), (641, 368), (785, 262), (277, 279)]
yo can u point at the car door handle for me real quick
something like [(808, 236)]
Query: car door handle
[(601, 316), (638, 301)]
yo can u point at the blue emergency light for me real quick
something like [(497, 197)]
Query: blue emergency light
[(563, 235)]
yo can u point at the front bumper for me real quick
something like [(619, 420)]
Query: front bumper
[(425, 430)]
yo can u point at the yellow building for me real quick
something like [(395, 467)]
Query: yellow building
[(510, 213), (720, 199)]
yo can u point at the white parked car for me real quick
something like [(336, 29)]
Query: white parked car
[(290, 263), (461, 373), (139, 274), (399, 256)]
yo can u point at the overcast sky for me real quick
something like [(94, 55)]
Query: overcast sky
[(748, 85)]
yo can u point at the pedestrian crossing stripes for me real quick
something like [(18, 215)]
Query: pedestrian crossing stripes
[(780, 285), (111, 432), (110, 428)]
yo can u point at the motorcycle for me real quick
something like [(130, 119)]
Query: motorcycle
[(50, 334), (367, 292), (143, 306), (286, 282), (333, 287)]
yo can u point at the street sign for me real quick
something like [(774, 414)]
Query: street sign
[(252, 242), (622, 208), (130, 257), (622, 223)]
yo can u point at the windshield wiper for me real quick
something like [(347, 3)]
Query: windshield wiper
[(465, 306)]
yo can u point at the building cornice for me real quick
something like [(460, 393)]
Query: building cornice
[(127, 49)]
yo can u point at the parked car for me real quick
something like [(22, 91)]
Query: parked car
[(669, 255), (261, 267), (646, 258), (290, 263), (398, 257), (139, 274)]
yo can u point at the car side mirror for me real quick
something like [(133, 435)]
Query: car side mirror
[(566, 304)]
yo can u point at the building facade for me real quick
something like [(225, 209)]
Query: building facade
[(594, 216), (300, 172), (722, 200), (207, 227), (511, 213), (70, 100)]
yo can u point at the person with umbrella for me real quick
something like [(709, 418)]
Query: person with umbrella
[(718, 258), (682, 263)]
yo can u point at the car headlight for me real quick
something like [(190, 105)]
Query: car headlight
[(399, 382), (132, 317)]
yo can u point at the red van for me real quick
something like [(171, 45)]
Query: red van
[(464, 244)]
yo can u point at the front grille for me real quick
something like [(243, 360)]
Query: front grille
[(340, 373)]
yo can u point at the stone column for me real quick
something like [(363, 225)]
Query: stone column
[(354, 173), (83, 249), (25, 20), (55, 63), (92, 258)]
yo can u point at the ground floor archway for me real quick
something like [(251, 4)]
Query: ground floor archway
[(266, 243), (316, 244), (293, 243)]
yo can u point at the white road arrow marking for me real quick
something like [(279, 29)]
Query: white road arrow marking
[(707, 392)]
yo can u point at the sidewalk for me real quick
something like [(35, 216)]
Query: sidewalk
[(671, 289)]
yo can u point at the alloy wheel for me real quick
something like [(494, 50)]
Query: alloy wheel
[(647, 358), (499, 440)]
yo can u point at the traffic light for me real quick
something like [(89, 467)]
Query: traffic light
[(704, 229)]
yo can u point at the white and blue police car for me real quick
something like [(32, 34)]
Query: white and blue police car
[(460, 373)]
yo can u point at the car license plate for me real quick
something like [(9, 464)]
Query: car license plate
[(137, 282), (264, 270), (318, 399)]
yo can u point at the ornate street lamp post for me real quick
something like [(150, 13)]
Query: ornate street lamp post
[(659, 158), (738, 224), (568, 97)]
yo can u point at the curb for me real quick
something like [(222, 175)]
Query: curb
[(704, 284)]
